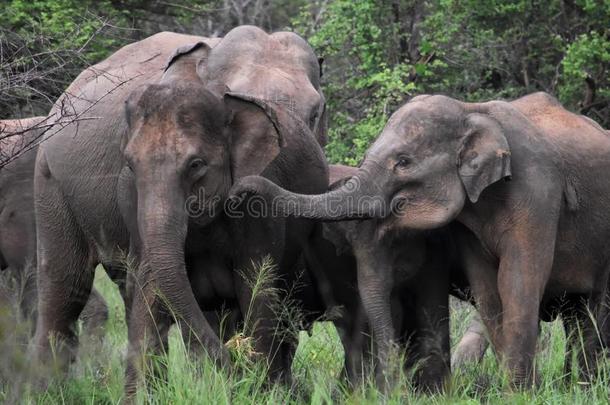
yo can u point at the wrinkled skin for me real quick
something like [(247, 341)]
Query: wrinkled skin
[(279, 68), (400, 281), (191, 136), (331, 261), (78, 219), (472, 346), (474, 343), (131, 176), (538, 244), (17, 224)]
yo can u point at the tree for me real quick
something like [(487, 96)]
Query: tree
[(381, 53), (377, 53)]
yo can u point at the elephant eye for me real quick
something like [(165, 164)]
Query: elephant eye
[(403, 162), (196, 165)]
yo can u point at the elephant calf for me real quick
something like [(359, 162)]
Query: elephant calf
[(537, 244), (399, 281), (17, 222)]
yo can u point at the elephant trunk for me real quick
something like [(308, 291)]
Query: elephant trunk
[(357, 198), (162, 226)]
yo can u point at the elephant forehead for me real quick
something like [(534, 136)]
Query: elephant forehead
[(245, 46), (158, 141), (291, 90), (420, 127)]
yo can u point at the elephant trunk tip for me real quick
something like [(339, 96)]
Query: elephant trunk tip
[(249, 185)]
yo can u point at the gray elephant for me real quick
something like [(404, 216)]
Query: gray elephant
[(472, 345), (333, 266), (538, 242), (18, 144), (152, 182), (359, 260)]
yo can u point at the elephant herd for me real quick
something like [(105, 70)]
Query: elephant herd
[(188, 161)]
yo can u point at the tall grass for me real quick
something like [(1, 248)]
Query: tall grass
[(97, 376)]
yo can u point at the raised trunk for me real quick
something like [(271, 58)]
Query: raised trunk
[(358, 198)]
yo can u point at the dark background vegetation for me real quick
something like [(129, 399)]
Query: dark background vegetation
[(377, 53)]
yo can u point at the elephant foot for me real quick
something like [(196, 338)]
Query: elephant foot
[(50, 359), (431, 381), (523, 381), (54, 351), (470, 349), (199, 347)]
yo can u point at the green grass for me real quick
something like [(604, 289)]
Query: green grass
[(97, 376)]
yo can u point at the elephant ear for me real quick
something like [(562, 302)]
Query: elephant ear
[(184, 62), (259, 130), (484, 157)]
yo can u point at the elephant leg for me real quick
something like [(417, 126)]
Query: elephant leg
[(260, 321), (593, 344), (95, 314), (473, 345), (215, 321), (228, 320), (433, 343), (582, 338), (148, 327), (481, 272), (604, 321), (375, 288), (257, 288), (522, 279), (356, 343), (65, 273), (569, 317), (231, 322)]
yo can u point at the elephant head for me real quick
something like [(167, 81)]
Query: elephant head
[(188, 141), (279, 67), (434, 154)]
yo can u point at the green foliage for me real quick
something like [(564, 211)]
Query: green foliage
[(382, 53), (368, 79), (98, 375), (378, 53), (586, 57), (65, 24), (45, 44), (319, 355)]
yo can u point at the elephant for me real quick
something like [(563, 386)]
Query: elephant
[(527, 178), (280, 68), (137, 180), (332, 264), (413, 273), (472, 346), (354, 260), (17, 224)]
